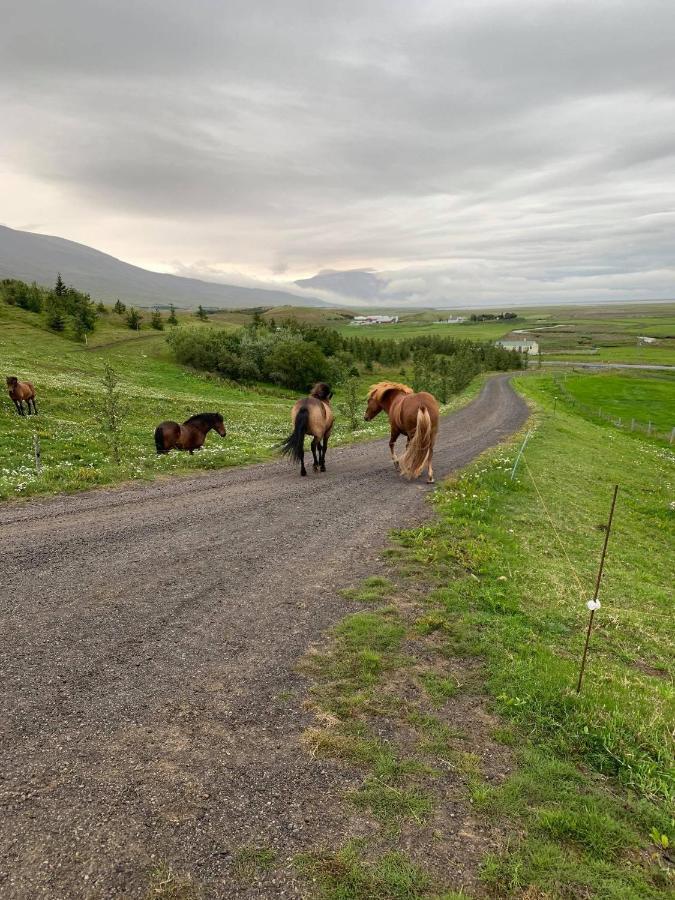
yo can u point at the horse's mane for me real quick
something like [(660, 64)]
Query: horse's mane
[(377, 391), (321, 391), (208, 418)]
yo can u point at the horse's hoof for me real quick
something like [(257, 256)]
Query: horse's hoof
[(430, 481), (303, 474), (323, 468), (316, 468)]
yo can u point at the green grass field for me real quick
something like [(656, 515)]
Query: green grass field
[(489, 601), (626, 396)]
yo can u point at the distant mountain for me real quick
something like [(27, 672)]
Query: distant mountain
[(38, 257), (361, 284)]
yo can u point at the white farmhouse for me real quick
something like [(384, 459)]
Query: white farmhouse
[(529, 347)]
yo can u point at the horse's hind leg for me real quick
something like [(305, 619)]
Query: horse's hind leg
[(324, 447), (394, 436), (430, 468), (315, 446), (35, 412)]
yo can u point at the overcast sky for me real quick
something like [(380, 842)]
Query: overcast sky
[(470, 152)]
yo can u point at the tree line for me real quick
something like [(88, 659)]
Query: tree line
[(295, 355)]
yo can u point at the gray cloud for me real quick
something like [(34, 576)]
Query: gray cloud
[(466, 151)]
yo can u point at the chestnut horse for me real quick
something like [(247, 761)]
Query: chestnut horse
[(416, 416), (311, 415), (20, 391), (190, 435)]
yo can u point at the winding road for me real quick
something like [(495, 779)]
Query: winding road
[(148, 646)]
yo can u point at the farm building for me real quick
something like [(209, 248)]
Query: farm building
[(374, 320), (531, 347)]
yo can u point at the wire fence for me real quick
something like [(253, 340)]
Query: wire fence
[(627, 424)]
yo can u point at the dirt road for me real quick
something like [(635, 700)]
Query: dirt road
[(147, 650)]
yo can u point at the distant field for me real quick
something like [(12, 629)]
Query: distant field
[(644, 397), (599, 333)]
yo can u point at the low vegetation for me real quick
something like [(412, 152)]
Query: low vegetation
[(296, 355), (484, 610)]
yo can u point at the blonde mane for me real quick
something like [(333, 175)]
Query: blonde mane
[(377, 391)]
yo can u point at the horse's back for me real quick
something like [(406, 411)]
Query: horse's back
[(411, 404), (320, 417)]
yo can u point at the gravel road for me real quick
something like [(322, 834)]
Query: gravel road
[(147, 652)]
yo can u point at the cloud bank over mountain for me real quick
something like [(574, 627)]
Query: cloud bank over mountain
[(466, 152)]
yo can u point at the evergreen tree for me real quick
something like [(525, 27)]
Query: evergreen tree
[(134, 319), (119, 307), (172, 320), (60, 288), (56, 319), (201, 313), (156, 320), (100, 307)]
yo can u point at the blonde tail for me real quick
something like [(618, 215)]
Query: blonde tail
[(412, 461)]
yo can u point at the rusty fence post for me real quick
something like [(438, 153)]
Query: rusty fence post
[(594, 604)]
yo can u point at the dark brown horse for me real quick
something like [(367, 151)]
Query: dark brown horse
[(20, 391), (416, 416), (190, 435), (311, 415)]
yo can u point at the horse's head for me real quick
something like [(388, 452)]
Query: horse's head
[(321, 391), (380, 396), (218, 424), (12, 381)]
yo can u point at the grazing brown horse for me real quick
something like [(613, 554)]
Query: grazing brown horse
[(20, 391), (416, 416), (311, 415), (190, 435)]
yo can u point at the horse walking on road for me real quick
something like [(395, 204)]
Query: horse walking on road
[(20, 391), (415, 416), (190, 435), (311, 415)]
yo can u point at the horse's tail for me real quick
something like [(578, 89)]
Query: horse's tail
[(294, 444), (412, 461), (159, 439)]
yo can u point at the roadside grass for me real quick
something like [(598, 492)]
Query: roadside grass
[(346, 875), (249, 863), (486, 590), (165, 884)]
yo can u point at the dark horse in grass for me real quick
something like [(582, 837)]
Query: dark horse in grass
[(20, 391), (311, 415), (190, 435), (415, 416)]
